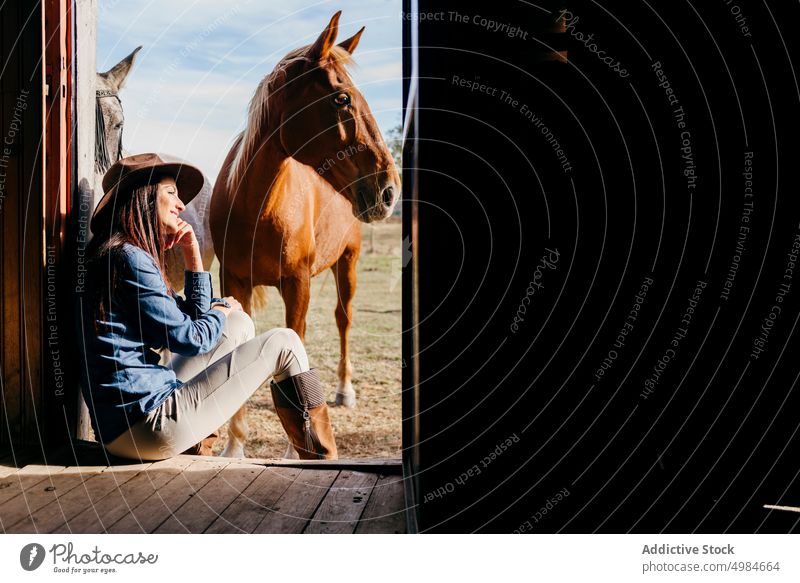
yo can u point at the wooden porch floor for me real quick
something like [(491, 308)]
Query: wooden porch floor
[(79, 490)]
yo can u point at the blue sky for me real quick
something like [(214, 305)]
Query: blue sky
[(201, 60)]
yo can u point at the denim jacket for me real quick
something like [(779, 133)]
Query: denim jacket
[(122, 380)]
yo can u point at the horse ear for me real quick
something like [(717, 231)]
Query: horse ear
[(322, 46), (350, 44), (117, 75)]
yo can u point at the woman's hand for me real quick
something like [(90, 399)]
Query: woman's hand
[(184, 237), (235, 305), (186, 240)]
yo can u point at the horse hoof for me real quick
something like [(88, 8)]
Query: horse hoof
[(235, 451), (345, 400)]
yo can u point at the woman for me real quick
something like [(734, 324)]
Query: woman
[(143, 406)]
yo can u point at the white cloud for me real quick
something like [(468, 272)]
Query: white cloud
[(183, 140), (201, 62)]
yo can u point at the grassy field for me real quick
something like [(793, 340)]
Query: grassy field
[(372, 428)]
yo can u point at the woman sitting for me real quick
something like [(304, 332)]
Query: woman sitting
[(142, 404)]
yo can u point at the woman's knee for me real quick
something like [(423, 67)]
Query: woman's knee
[(289, 338), (239, 326), (292, 350)]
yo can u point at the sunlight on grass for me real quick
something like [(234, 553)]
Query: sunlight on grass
[(372, 428)]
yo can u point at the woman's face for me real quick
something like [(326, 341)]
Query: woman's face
[(169, 205)]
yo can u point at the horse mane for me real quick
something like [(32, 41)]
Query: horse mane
[(248, 140)]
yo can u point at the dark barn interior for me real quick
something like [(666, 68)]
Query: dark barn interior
[(662, 422)]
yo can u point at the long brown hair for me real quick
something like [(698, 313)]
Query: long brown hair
[(134, 221)]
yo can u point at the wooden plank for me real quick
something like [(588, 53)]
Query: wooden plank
[(167, 500), (120, 501), (42, 493), (785, 508), (296, 506), (24, 478), (211, 500), (256, 501), (386, 509), (343, 505), (7, 471), (69, 504), (376, 465)]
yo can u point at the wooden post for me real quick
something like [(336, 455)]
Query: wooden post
[(54, 304), (85, 103)]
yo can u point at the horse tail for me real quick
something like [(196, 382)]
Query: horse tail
[(259, 298)]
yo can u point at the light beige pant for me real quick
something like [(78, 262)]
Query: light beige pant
[(216, 385)]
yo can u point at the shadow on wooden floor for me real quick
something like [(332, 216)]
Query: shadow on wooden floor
[(81, 489)]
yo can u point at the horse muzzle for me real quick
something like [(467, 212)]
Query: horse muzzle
[(375, 205)]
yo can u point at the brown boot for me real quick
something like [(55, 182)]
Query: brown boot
[(300, 403), (204, 447)]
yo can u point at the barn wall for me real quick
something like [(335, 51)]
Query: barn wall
[(34, 170), (21, 249)]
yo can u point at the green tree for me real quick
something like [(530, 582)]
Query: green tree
[(394, 139)]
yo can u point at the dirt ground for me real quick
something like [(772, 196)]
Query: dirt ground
[(373, 427)]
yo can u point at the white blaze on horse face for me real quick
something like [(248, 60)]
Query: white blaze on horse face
[(333, 131), (360, 166)]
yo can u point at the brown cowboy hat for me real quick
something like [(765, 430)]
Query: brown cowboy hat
[(138, 170)]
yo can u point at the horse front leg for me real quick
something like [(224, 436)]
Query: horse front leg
[(296, 294), (237, 427), (237, 434), (344, 271)]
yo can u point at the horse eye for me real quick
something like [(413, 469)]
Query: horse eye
[(342, 100)]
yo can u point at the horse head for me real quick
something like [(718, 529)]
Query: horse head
[(109, 116), (323, 121)]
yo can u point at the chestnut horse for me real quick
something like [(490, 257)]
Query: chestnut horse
[(309, 165)]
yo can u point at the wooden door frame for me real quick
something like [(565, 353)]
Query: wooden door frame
[(410, 345), (57, 330)]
